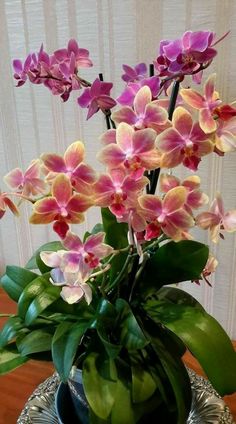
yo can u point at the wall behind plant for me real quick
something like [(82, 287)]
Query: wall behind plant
[(115, 32)]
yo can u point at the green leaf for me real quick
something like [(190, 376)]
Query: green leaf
[(33, 289), (200, 332), (41, 302), (175, 262), (123, 408), (65, 344), (131, 336), (34, 342), (53, 246), (143, 385), (100, 383), (174, 368), (10, 359), (10, 330), (106, 315), (15, 280), (116, 233)]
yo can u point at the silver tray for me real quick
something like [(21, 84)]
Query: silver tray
[(207, 405)]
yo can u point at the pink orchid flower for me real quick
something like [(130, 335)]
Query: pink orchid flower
[(80, 256), (114, 190), (195, 197), (28, 183), (108, 137), (5, 203), (225, 135), (81, 176), (168, 215), (81, 55), (135, 150), (185, 142), (127, 96), (217, 219), (205, 104), (97, 97), (62, 206), (146, 114), (210, 267), (134, 74)]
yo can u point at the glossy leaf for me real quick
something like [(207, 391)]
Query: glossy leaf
[(143, 385), (201, 333), (10, 330), (131, 336), (106, 315), (175, 262), (31, 292), (100, 383), (10, 359), (34, 342), (41, 302), (65, 344), (15, 280), (116, 233), (51, 247)]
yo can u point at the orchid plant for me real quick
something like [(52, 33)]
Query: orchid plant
[(109, 302)]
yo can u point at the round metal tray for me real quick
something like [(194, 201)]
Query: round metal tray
[(207, 405)]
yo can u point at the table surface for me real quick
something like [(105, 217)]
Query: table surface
[(16, 387)]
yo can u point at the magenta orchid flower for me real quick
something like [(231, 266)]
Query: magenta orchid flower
[(62, 206), (134, 74), (205, 104), (115, 190), (81, 55), (135, 150), (127, 96), (28, 183), (146, 114), (195, 197), (217, 219), (184, 143), (97, 97), (186, 54), (168, 215), (5, 203), (81, 176)]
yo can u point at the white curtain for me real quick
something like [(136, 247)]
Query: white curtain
[(115, 32)]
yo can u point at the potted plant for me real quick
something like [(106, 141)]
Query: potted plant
[(108, 303)]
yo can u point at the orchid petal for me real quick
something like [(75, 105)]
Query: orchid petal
[(151, 203), (182, 121), (172, 158), (62, 189), (155, 115), (42, 218), (174, 199), (79, 203), (143, 141), (108, 137), (206, 220), (181, 219), (72, 241), (167, 182), (46, 205), (72, 294), (192, 182), (124, 114), (54, 162), (169, 140), (209, 87), (14, 178), (74, 155), (229, 221), (192, 98), (124, 136), (142, 98), (111, 155), (52, 259), (206, 121)]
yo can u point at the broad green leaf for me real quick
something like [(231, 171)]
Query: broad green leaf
[(10, 359), (34, 342), (100, 383), (130, 334), (200, 332), (106, 315), (15, 280), (123, 411), (143, 385), (10, 330), (174, 369), (175, 262), (116, 233), (31, 292), (51, 247), (41, 302), (65, 344)]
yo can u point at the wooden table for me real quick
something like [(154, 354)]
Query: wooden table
[(16, 387)]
